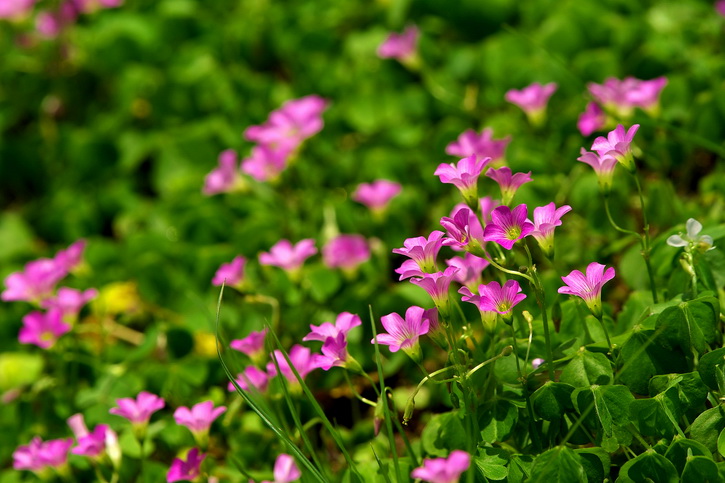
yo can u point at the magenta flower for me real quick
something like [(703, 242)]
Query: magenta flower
[(43, 328), (603, 166), (230, 273), (532, 100), (344, 323), (443, 470), (70, 258), (252, 345), (622, 96), (617, 144), (409, 269), (488, 315), (15, 9), (225, 177), (377, 195), (493, 297), (346, 252), (334, 353), (35, 283), (487, 205), (592, 119), (464, 176), (251, 377), (37, 455), (400, 46), (285, 470), (69, 301), (199, 418), (589, 286), (464, 230), (482, 145), (301, 358), (508, 226), (469, 268), (266, 163), (423, 251), (138, 411), (546, 219), (508, 183), (436, 284), (404, 333), (287, 127), (720, 7), (287, 256), (92, 444), (189, 469)]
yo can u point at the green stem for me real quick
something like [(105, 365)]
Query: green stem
[(614, 224), (541, 301), (356, 393), (536, 438), (489, 259), (600, 318), (646, 248)]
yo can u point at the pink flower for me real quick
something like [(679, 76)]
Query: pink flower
[(15, 9), (494, 298), (443, 470), (532, 100), (35, 283), (481, 145), (334, 353), (69, 301), (603, 166), (437, 284), (622, 96), (285, 470), (266, 163), (464, 176), (230, 273), (346, 252), (400, 46), (189, 469), (376, 195), (409, 269), (487, 204), (199, 418), (423, 251), (464, 230), (138, 411), (301, 358), (70, 258), (252, 345), (589, 286), (344, 323), (288, 257), (224, 178), (91, 444), (404, 333), (38, 455), (647, 94), (508, 183), (251, 377), (720, 7), (43, 328), (508, 226), (546, 219), (469, 268), (592, 119), (617, 144), (48, 24), (287, 127)]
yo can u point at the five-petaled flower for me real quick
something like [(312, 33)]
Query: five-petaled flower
[(443, 470), (138, 411), (617, 144), (423, 251), (186, 470), (589, 286), (508, 226), (437, 284), (377, 195), (532, 100), (509, 183), (603, 166), (464, 176), (199, 418), (546, 219), (287, 256), (344, 322), (404, 333)]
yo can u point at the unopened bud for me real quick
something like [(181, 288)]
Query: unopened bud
[(507, 351), (408, 412)]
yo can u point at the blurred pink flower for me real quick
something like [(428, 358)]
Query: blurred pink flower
[(346, 252), (344, 323), (508, 226), (376, 195), (90, 444), (589, 286), (230, 273), (70, 258), (70, 301), (251, 377), (189, 469), (285, 470), (443, 470), (43, 328), (199, 418), (592, 119), (532, 99), (720, 7), (252, 345), (508, 183), (546, 219), (301, 358), (423, 251), (35, 283), (266, 162), (400, 46), (225, 177), (15, 9), (38, 455), (464, 176), (481, 145), (287, 127), (138, 411), (617, 144), (622, 96), (404, 333), (287, 256)]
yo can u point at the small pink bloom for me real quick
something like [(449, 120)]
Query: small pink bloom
[(301, 358), (69, 301), (43, 328), (189, 469), (492, 297), (622, 96), (404, 333), (508, 226), (225, 177), (487, 204), (400, 46), (334, 353), (47, 24), (230, 273), (266, 163), (464, 176), (376, 195), (617, 144), (443, 470), (287, 127), (437, 284), (589, 286), (35, 283), (89, 444), (287, 256), (532, 99), (592, 119), (346, 252), (603, 166), (535, 363), (546, 219), (508, 183), (138, 411), (15, 9), (199, 418), (70, 258), (251, 377), (252, 345), (469, 268), (720, 7), (464, 230), (37, 455), (423, 251), (481, 145), (344, 323), (647, 93), (285, 470), (409, 269)]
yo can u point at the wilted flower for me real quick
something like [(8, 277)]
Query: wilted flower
[(592, 119), (508, 226), (464, 176), (423, 251), (43, 328), (301, 358), (138, 411), (225, 177), (437, 284), (603, 166), (481, 145), (287, 256), (618, 145), (404, 333), (532, 100), (589, 286), (285, 470), (230, 273), (189, 469), (400, 46), (443, 470), (508, 183), (376, 195), (343, 324), (251, 377), (691, 240), (346, 252), (546, 219)]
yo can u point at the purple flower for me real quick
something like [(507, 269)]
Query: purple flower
[(400, 46), (481, 145), (230, 273), (409, 269), (252, 345), (138, 411), (622, 96), (189, 469), (502, 300), (603, 167), (423, 251), (464, 176), (15, 9), (285, 470), (404, 333), (617, 144), (69, 301), (376, 195), (43, 328), (546, 219), (91, 444), (464, 230), (647, 94), (199, 418), (301, 358), (469, 268), (288, 126), (344, 323), (487, 205), (589, 286), (38, 455), (70, 258), (508, 226), (334, 353), (532, 100), (251, 377), (720, 7), (443, 470), (346, 252), (266, 163), (508, 183), (436, 284), (224, 178), (592, 119), (287, 256), (35, 283)]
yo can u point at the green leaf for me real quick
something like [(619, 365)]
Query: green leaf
[(707, 364), (558, 465), (520, 467), (444, 433), (18, 369), (689, 325), (596, 463), (587, 368), (700, 469), (611, 404), (552, 400), (707, 427), (642, 357), (680, 448), (647, 467), (721, 443), (323, 283), (497, 419), (691, 391), (650, 419), (492, 463)]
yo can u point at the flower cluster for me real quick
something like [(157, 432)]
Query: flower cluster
[(623, 96)]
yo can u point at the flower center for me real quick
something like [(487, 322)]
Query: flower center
[(514, 232), (503, 307)]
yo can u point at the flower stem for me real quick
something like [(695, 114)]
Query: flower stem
[(536, 439), (356, 393), (646, 244), (541, 301), (600, 318)]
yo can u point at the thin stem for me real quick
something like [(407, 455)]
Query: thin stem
[(489, 259), (529, 408), (614, 224), (646, 248), (541, 301), (356, 393), (600, 318)]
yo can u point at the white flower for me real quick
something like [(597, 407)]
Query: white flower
[(691, 240)]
